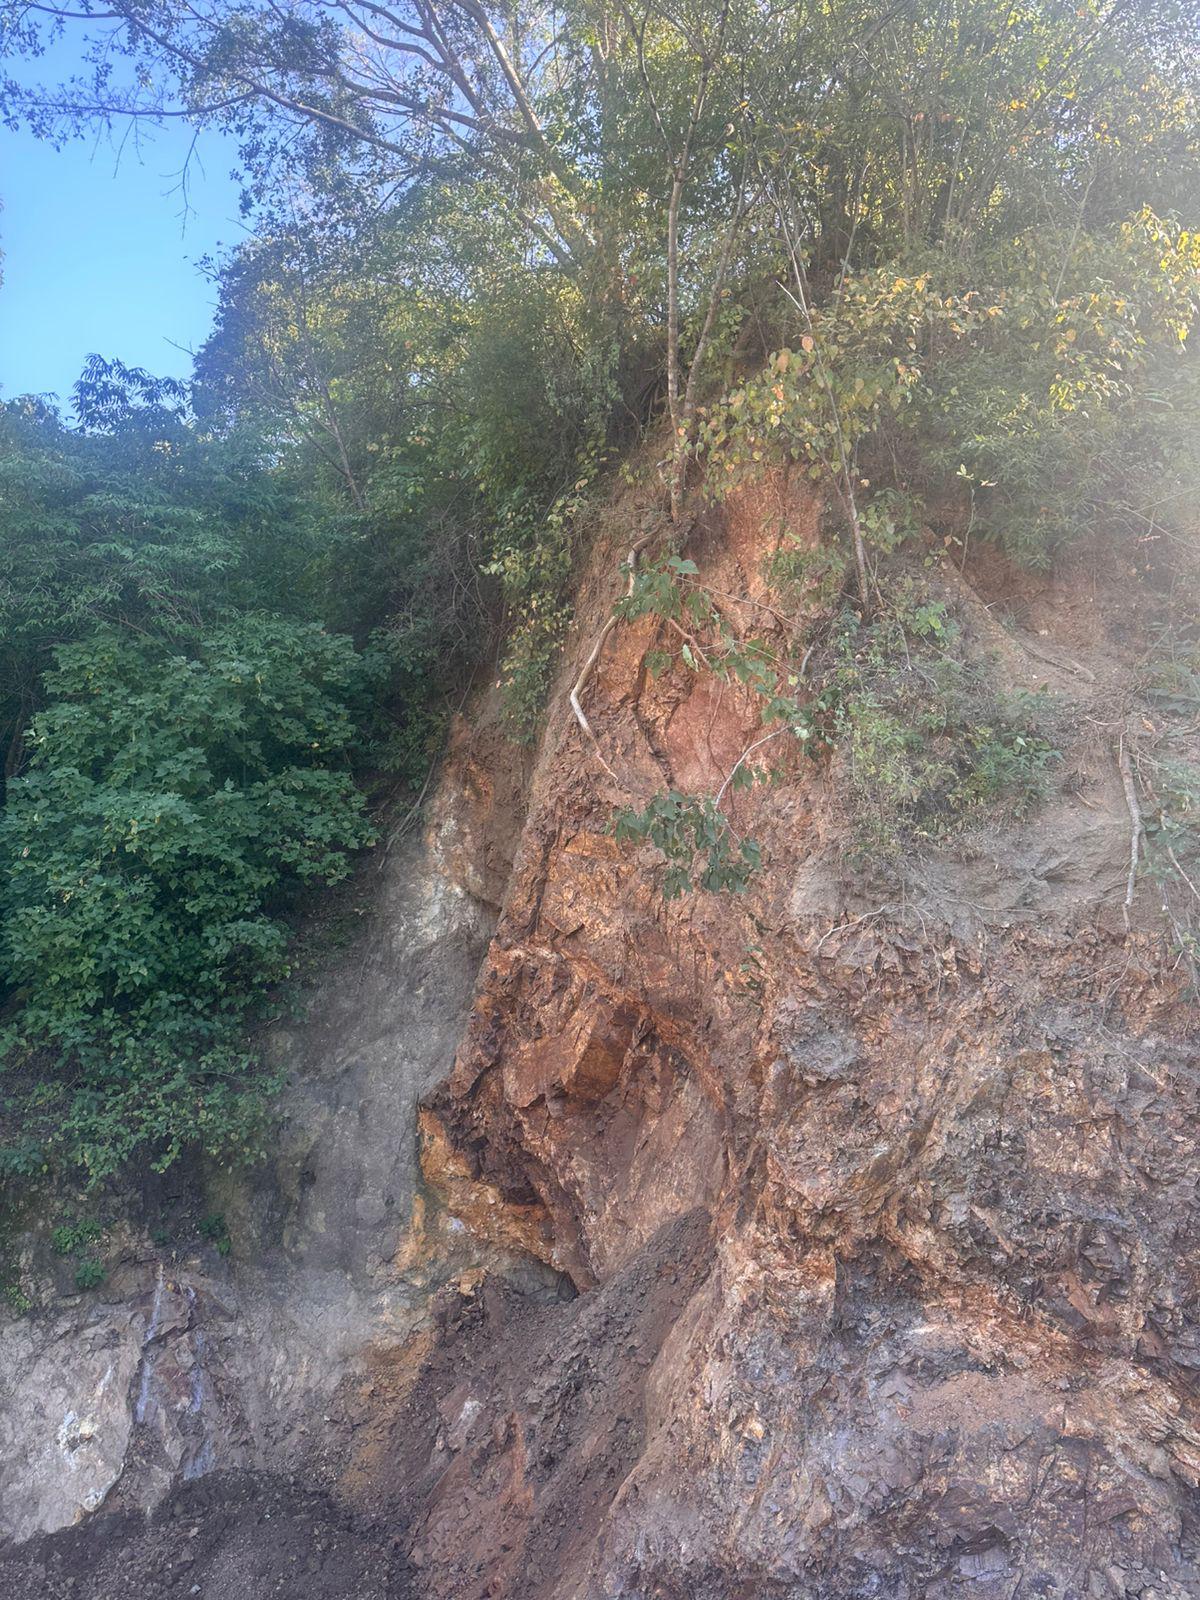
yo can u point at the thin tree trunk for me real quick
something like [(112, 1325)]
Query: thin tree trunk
[(673, 343)]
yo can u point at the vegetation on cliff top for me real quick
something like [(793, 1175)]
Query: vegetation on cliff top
[(943, 259)]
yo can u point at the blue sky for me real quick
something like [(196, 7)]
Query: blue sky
[(98, 254)]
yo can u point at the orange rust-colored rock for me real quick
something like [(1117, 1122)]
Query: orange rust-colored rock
[(875, 1205), (506, 1224), (916, 1167)]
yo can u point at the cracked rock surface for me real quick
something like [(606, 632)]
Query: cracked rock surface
[(819, 1243)]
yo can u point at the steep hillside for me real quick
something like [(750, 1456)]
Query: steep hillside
[(874, 1189), (879, 1196)]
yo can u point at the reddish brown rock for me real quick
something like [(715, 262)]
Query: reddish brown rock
[(878, 1202), (917, 1166)]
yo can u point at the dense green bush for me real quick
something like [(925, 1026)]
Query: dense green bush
[(132, 519), (174, 799), (178, 729)]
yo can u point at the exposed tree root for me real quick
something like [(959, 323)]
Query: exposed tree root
[(593, 656), (1062, 663), (1135, 824)]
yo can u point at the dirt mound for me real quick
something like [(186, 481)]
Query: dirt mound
[(229, 1536)]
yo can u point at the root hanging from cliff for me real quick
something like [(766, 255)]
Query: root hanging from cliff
[(1135, 825), (593, 656)]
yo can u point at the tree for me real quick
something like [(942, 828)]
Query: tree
[(177, 743), (408, 89), (174, 793), (656, 155)]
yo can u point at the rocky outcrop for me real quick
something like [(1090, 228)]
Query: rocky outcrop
[(918, 1167), (185, 1362), (832, 1240)]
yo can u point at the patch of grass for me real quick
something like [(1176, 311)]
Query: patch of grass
[(1170, 678), (89, 1274), (922, 740), (16, 1299), (213, 1228), (925, 743), (1171, 816), (817, 574)]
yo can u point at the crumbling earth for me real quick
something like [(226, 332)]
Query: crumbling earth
[(868, 1212)]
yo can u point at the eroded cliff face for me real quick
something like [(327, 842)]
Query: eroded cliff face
[(880, 1204), (883, 1205), (184, 1363)]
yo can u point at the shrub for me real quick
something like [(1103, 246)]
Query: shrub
[(89, 1274), (70, 1237), (1053, 381), (699, 845), (924, 741), (213, 1228), (175, 799), (531, 556)]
